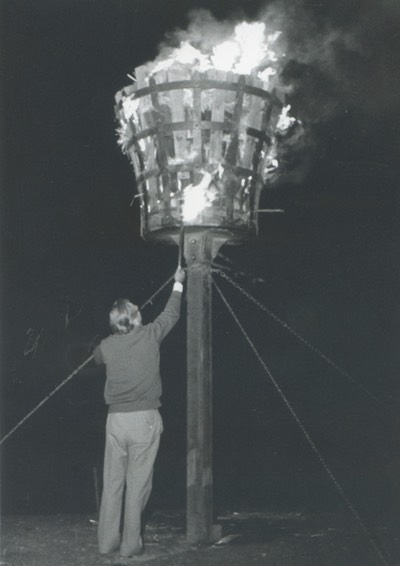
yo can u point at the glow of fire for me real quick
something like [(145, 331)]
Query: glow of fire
[(248, 49), (285, 121), (224, 55), (251, 40), (130, 107), (196, 198), (185, 54)]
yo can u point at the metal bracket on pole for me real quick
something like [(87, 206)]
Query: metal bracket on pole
[(201, 246)]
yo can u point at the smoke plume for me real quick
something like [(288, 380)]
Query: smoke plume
[(340, 54), (333, 59), (331, 54)]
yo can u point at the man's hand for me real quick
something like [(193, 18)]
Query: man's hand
[(180, 275)]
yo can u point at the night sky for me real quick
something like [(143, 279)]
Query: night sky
[(328, 266)]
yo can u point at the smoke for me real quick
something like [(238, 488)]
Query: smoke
[(342, 54), (342, 74), (204, 31), (331, 55), (333, 59)]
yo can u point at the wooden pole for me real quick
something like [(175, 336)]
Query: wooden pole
[(200, 248)]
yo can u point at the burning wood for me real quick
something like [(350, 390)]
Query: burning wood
[(200, 130), (249, 50)]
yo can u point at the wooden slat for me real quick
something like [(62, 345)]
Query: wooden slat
[(197, 138), (133, 154), (146, 155), (161, 152), (258, 161), (142, 77), (266, 117), (253, 119), (161, 141), (232, 151), (152, 194), (178, 111), (150, 153), (217, 115), (146, 113)]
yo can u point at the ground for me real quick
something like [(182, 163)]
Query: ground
[(276, 539)]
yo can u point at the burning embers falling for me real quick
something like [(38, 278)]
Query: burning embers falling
[(202, 131)]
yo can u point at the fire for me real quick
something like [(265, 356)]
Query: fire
[(285, 121), (186, 54), (250, 50), (197, 197), (246, 51)]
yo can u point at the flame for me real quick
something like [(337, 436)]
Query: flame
[(197, 197), (185, 54), (225, 55), (284, 120), (245, 51), (253, 49), (130, 107), (248, 49)]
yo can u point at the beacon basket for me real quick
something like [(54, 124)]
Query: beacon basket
[(199, 144)]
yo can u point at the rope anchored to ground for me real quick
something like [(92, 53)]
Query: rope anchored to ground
[(307, 436)]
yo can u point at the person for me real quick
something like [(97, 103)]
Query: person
[(131, 355)]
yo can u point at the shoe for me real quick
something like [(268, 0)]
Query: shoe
[(136, 552), (113, 550), (127, 560)]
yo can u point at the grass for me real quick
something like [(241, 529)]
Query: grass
[(71, 540), (286, 539)]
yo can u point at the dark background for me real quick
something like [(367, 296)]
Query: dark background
[(329, 266)]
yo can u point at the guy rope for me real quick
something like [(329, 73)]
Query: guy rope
[(299, 337), (71, 375), (306, 434)]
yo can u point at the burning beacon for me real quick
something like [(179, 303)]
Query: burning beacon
[(200, 130)]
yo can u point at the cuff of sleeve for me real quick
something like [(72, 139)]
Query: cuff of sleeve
[(178, 287)]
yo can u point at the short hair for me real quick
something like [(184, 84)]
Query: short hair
[(122, 315)]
